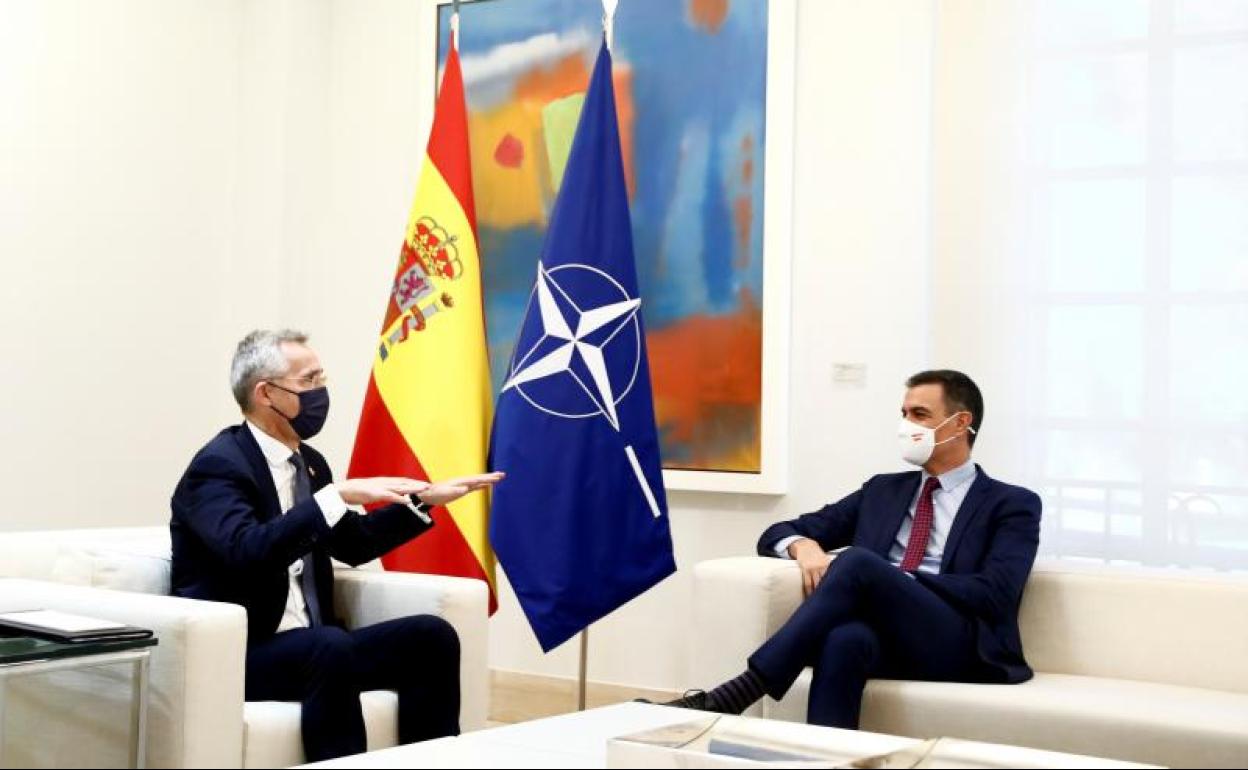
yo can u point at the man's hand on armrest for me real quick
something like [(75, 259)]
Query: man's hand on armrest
[(812, 560)]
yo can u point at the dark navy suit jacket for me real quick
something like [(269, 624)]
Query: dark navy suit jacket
[(988, 554), (232, 543)]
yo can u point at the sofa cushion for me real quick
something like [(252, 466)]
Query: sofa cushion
[(125, 571), (272, 737), (1170, 627), (1118, 718), (32, 556), (125, 559)]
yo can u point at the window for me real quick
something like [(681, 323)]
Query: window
[(1129, 249)]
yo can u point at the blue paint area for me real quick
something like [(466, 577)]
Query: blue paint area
[(509, 266), (716, 218)]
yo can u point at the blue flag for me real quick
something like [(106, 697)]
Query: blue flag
[(580, 524)]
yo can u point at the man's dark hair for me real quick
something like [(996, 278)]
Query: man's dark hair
[(961, 394)]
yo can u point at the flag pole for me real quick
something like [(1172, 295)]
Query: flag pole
[(580, 699), (455, 24), (608, 34), (608, 22)]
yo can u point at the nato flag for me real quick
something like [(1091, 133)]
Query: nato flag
[(580, 524)]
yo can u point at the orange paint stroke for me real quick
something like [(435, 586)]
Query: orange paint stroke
[(708, 14), (707, 368), (570, 76), (564, 77), (743, 219)]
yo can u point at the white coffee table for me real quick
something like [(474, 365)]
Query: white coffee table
[(580, 740), (569, 740)]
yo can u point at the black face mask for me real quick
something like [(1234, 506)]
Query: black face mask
[(313, 410)]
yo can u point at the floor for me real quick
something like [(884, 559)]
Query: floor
[(516, 697)]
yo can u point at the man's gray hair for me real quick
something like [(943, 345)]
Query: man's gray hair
[(259, 357)]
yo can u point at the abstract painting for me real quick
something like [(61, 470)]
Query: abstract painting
[(691, 92)]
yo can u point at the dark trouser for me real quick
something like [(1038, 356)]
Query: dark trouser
[(326, 668), (866, 619)]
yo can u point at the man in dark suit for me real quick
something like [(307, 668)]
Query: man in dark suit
[(256, 518), (930, 581)]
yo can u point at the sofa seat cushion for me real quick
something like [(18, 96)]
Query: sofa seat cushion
[(1115, 718), (272, 737)]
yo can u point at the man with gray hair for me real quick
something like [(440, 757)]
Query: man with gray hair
[(257, 517)]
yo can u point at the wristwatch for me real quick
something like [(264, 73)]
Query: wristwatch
[(420, 508)]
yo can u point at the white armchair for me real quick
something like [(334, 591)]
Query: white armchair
[(197, 715)]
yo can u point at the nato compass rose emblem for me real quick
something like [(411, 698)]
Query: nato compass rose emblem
[(579, 355)]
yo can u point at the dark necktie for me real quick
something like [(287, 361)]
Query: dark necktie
[(303, 491), (921, 529)]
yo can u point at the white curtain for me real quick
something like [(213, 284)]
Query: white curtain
[(1090, 251)]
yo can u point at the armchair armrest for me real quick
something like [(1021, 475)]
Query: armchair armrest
[(738, 604), (195, 715), (363, 597)]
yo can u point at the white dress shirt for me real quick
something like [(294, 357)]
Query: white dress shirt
[(946, 501), (332, 506)]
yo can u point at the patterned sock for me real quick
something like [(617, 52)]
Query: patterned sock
[(736, 695)]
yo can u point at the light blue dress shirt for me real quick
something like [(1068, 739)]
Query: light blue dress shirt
[(946, 501)]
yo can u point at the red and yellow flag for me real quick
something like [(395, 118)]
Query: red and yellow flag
[(427, 410)]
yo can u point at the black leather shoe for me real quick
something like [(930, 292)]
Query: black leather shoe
[(697, 700)]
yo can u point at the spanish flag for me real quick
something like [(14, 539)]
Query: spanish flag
[(427, 409)]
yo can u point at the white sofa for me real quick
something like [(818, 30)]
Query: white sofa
[(197, 716), (1132, 665)]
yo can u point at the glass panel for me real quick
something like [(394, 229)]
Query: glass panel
[(1083, 508), (1095, 364), (1085, 455), (1210, 460), (1197, 16), (1128, 513), (1074, 519), (1096, 235), (1209, 530), (1091, 110), (76, 718), (1069, 22), (1093, 520), (1209, 364), (1211, 103), (1209, 235)]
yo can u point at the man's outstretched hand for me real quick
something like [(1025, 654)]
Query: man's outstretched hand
[(379, 489), (443, 492)]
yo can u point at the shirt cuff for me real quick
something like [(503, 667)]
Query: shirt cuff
[(333, 507), (782, 547)]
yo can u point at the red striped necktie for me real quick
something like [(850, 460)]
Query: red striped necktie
[(921, 530)]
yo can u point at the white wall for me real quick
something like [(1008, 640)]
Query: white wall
[(274, 145), (120, 289), (162, 183)]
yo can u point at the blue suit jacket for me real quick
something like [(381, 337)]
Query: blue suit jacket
[(988, 554), (231, 542)]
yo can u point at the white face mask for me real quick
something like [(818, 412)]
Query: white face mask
[(917, 442)]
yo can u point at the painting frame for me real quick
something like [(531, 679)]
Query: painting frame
[(777, 247)]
